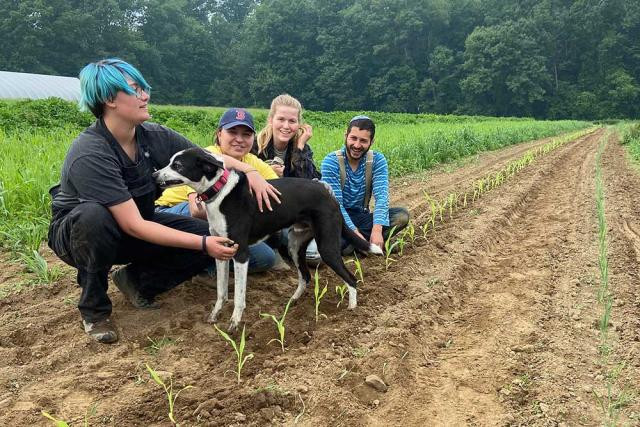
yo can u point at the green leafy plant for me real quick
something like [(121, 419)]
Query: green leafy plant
[(36, 263), (279, 325), (341, 290), (358, 265), (238, 348), (388, 249), (168, 389), (158, 344), (401, 242), (317, 292), (424, 228), (410, 232), (57, 422)]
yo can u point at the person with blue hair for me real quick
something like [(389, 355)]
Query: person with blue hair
[(355, 173), (103, 207)]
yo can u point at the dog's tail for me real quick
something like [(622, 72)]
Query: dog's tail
[(359, 243)]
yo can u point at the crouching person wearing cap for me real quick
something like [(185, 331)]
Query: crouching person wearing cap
[(234, 137), (355, 173)]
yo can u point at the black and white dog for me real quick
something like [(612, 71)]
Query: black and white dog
[(307, 206)]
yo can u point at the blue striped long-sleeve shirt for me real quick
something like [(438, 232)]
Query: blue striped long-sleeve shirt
[(352, 195)]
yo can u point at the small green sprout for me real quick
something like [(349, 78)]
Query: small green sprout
[(424, 228), (410, 232), (401, 242), (58, 423), (158, 344), (450, 201), (279, 325), (441, 208), (358, 265), (341, 290), (317, 292), (388, 248), (168, 389), (238, 348)]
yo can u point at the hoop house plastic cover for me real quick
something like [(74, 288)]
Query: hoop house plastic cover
[(37, 86)]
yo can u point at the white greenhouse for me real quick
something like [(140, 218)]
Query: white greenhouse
[(38, 86)]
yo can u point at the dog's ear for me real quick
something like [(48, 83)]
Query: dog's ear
[(209, 164)]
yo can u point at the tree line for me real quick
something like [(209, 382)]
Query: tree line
[(541, 58)]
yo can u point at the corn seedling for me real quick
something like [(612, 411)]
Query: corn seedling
[(388, 248), (441, 208), (57, 422), (464, 201), (410, 231), (239, 350), (317, 292), (450, 201), (401, 242), (341, 290), (168, 389), (424, 228), (358, 264), (279, 325)]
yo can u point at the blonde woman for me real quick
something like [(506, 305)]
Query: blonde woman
[(284, 144), (284, 141)]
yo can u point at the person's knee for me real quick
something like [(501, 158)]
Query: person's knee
[(399, 218), (94, 236), (261, 258)]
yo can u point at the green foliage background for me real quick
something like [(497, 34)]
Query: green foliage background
[(538, 58)]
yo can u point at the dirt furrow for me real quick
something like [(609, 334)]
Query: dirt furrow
[(489, 321), (484, 375)]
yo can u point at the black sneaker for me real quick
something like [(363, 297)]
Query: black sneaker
[(127, 285), (103, 331)]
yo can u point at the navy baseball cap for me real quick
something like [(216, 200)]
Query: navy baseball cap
[(236, 117)]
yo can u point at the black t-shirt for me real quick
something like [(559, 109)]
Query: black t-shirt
[(93, 168)]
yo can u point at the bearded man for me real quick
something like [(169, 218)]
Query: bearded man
[(355, 173)]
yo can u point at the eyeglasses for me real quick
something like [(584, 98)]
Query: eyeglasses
[(139, 92)]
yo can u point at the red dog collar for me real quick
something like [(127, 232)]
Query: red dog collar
[(214, 189)]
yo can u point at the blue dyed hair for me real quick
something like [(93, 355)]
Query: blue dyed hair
[(101, 81)]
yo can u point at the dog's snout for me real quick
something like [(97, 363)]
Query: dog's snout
[(155, 174)]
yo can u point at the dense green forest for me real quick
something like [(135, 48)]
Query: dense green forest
[(541, 58)]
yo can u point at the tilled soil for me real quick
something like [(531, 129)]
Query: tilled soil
[(490, 320)]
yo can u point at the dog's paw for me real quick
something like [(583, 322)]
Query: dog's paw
[(233, 328), (211, 318)]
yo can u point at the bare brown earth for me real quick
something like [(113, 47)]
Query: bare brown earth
[(490, 320)]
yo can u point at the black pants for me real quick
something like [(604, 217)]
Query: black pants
[(89, 239)]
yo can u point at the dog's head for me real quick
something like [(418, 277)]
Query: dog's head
[(194, 167)]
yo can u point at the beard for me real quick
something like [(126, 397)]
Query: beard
[(361, 153)]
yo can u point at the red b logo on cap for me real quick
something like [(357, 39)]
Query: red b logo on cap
[(240, 115)]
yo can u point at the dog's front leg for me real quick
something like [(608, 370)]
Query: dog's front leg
[(239, 293), (222, 281)]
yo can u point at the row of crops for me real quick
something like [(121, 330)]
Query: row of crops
[(35, 135)]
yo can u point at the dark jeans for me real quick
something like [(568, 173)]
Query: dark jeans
[(363, 220), (89, 239)]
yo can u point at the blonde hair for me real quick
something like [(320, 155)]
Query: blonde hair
[(284, 100)]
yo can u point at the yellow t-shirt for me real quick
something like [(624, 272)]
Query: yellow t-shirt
[(173, 196)]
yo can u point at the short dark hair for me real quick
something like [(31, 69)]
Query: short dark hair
[(364, 123)]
